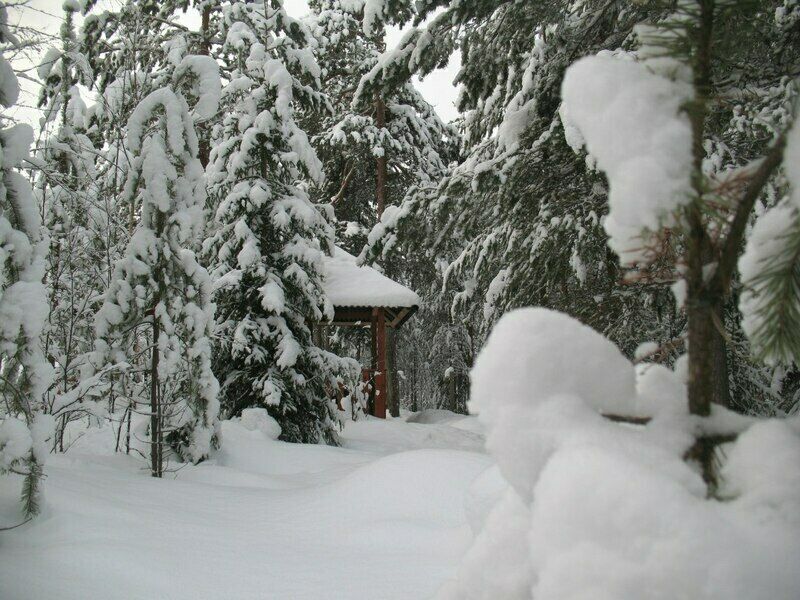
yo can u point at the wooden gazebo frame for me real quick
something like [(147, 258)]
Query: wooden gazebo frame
[(364, 297)]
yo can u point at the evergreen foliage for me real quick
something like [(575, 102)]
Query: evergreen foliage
[(267, 238), (172, 194), (159, 291), (519, 221), (416, 146), (25, 428), (73, 213)]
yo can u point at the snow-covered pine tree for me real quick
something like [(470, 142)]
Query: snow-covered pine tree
[(414, 140), (131, 52), (520, 219), (142, 42), (123, 53), (124, 50), (373, 152), (25, 428), (267, 239), (159, 291)]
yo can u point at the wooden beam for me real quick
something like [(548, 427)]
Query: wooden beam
[(352, 315), (373, 330), (362, 316), (381, 387), (403, 315)]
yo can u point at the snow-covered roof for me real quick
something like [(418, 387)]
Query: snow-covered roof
[(349, 284)]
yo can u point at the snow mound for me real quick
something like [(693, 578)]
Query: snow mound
[(393, 435), (762, 473), (419, 485), (434, 415), (258, 419), (485, 492), (534, 354)]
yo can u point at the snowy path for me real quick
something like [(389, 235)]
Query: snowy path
[(381, 518)]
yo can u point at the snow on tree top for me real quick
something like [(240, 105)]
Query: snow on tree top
[(347, 283)]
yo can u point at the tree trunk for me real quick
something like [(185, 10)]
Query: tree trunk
[(721, 385), (380, 163), (700, 300), (131, 408), (451, 392), (155, 408), (392, 397), (414, 403), (204, 146), (701, 356)]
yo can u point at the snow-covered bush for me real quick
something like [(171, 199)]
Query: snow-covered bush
[(258, 419), (598, 509)]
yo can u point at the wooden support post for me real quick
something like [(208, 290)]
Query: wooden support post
[(373, 365), (381, 387)]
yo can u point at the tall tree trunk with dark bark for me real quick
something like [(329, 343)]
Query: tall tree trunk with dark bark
[(203, 133), (721, 385), (155, 408), (392, 400), (701, 299)]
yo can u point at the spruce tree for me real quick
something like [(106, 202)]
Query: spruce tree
[(415, 142), (267, 238), (132, 51)]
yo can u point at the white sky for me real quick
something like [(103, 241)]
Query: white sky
[(46, 15)]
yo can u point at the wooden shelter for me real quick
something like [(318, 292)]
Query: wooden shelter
[(363, 297)]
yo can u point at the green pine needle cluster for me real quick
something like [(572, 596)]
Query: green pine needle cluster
[(775, 295)]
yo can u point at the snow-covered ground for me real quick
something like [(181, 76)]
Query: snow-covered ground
[(382, 517)]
